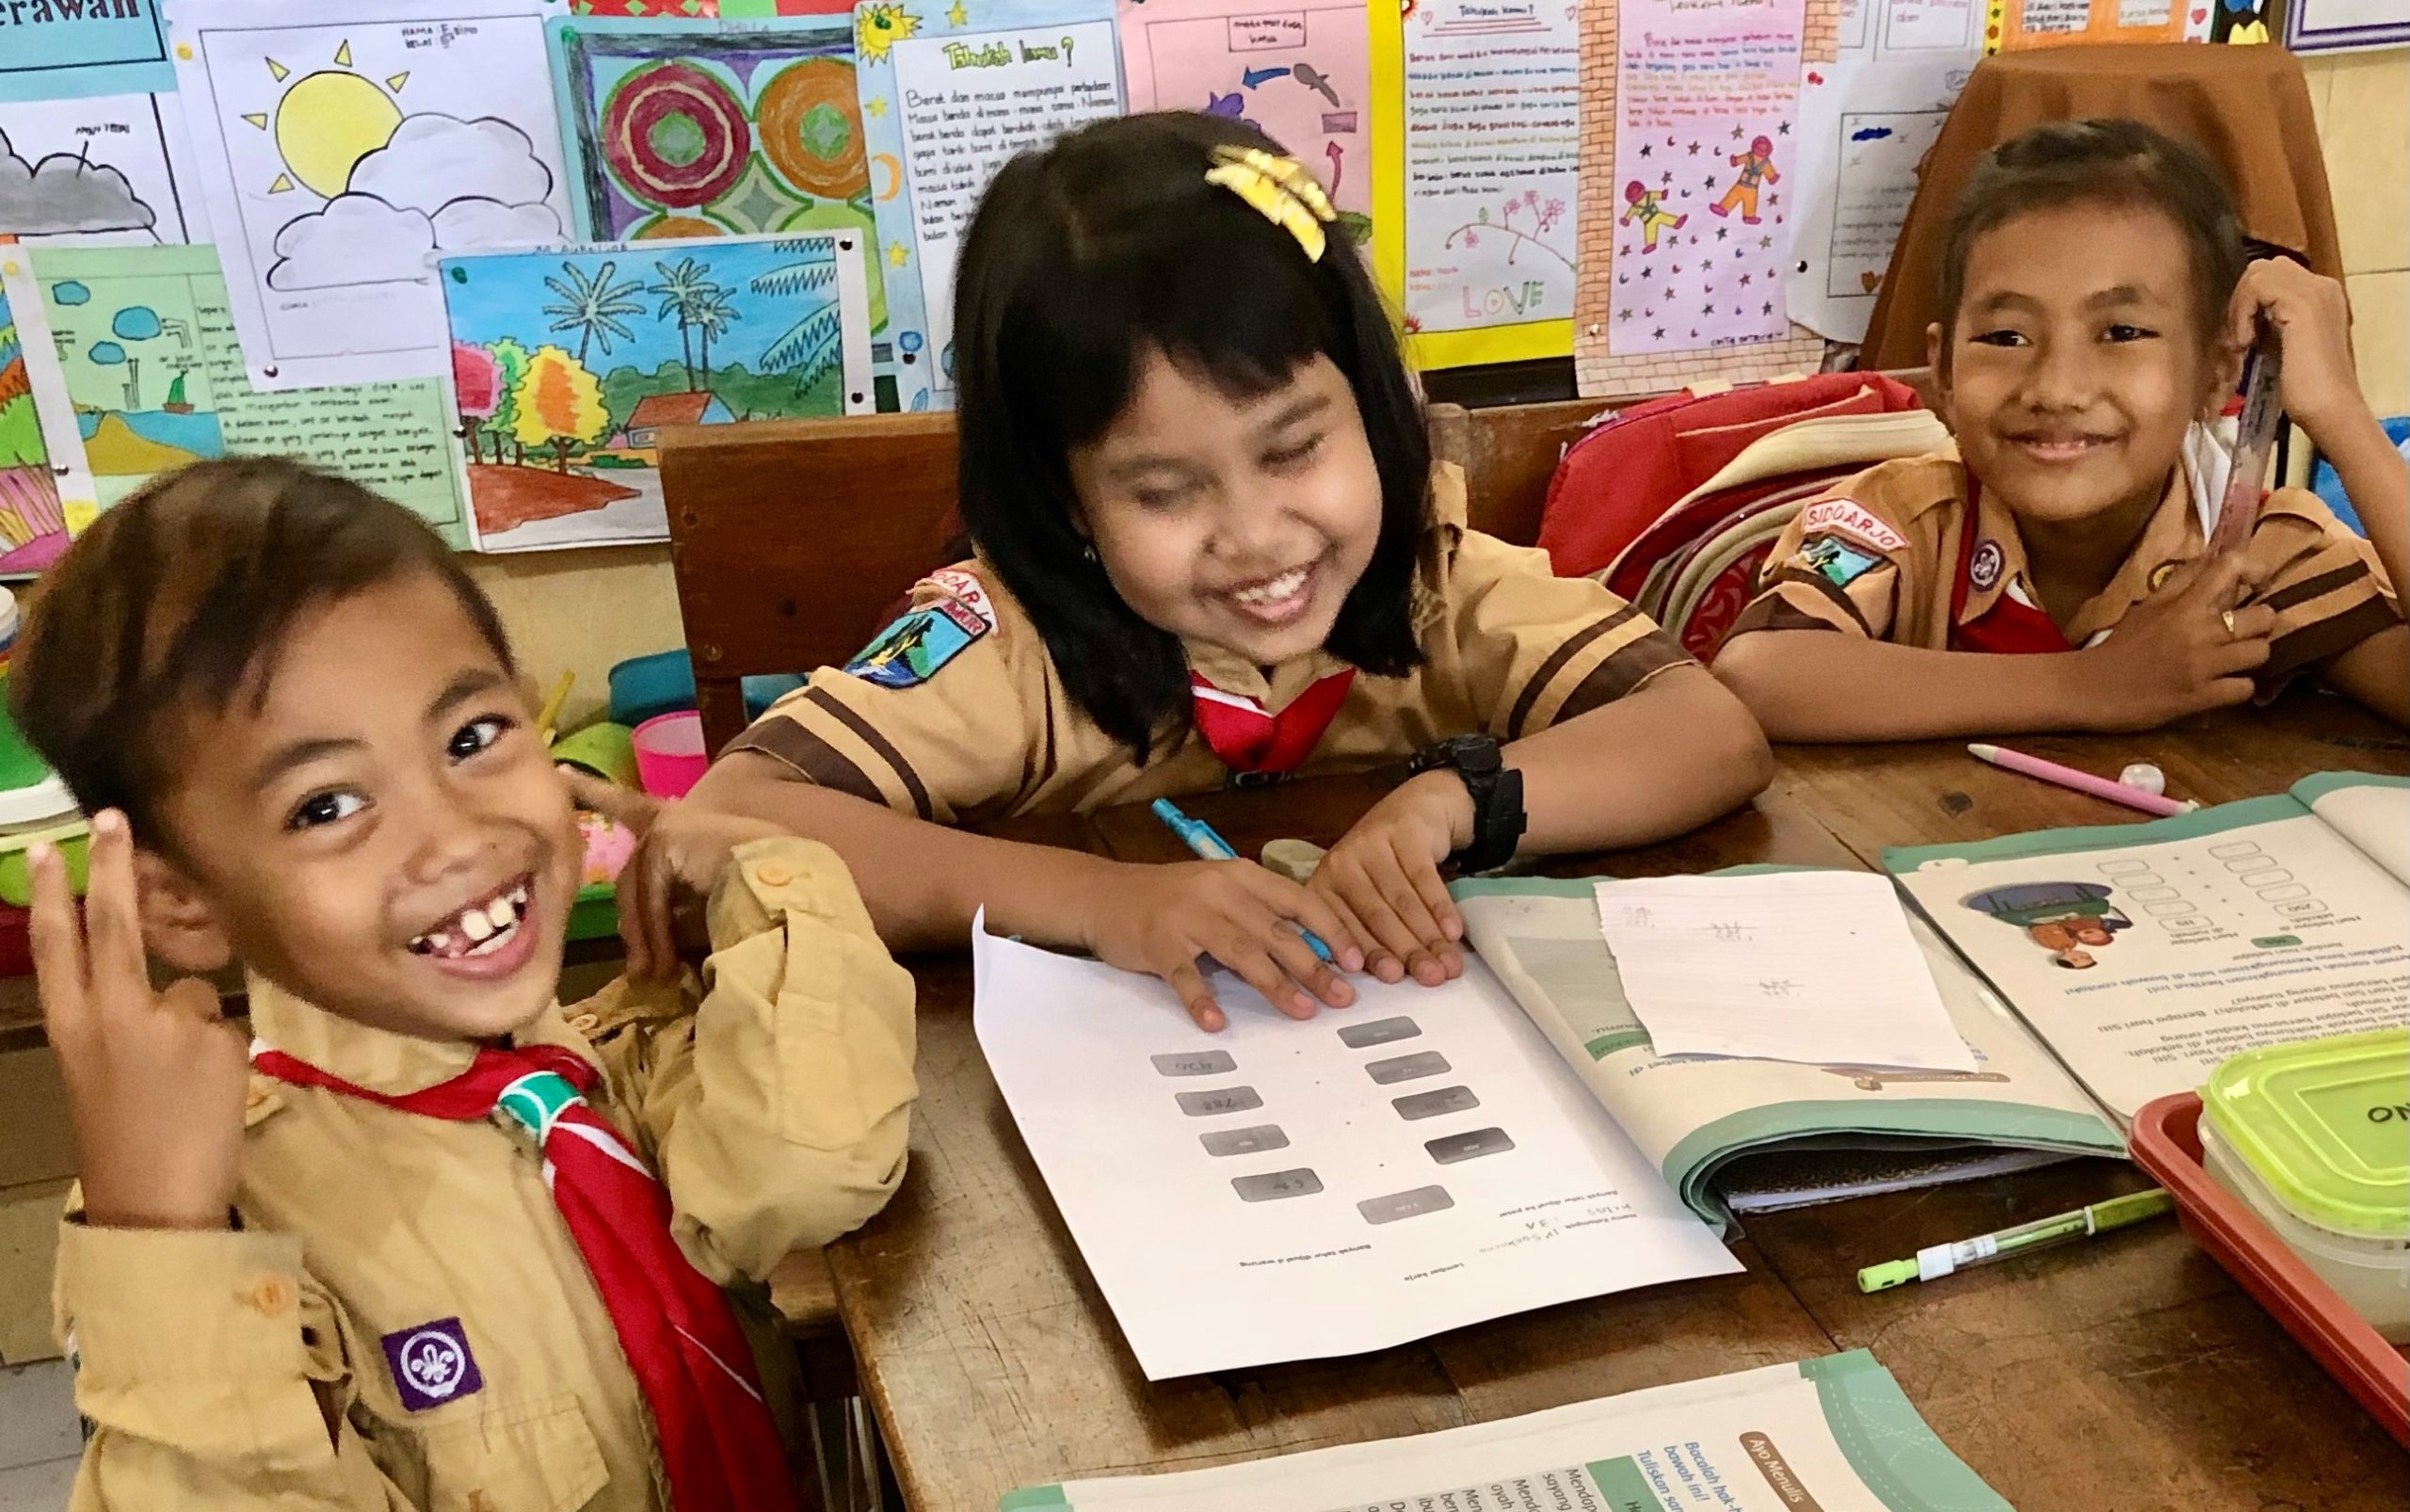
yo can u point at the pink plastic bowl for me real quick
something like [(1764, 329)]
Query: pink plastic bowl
[(670, 758)]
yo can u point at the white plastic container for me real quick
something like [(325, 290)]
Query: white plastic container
[(2314, 1138)]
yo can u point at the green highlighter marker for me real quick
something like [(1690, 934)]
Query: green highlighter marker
[(1936, 1261)]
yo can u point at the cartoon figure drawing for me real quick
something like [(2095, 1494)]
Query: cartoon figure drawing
[(2070, 920), (1757, 168), (1647, 207)]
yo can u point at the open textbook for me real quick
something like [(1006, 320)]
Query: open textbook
[(1715, 1127), (2146, 953), (1836, 1432)]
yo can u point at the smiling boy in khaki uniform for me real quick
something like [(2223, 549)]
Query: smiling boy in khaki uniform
[(411, 1250)]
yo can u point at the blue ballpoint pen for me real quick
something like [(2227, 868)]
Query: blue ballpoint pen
[(1208, 844)]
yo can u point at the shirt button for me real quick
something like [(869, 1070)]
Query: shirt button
[(271, 1295), (585, 1023), (770, 874)]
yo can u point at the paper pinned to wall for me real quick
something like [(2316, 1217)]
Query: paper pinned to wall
[(948, 98), (1481, 142), (566, 361), (1816, 966), (100, 169), (54, 51), (154, 380), (342, 142), (1865, 126), (33, 523), (2028, 23)]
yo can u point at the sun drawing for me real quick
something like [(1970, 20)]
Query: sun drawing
[(878, 27), (326, 122)]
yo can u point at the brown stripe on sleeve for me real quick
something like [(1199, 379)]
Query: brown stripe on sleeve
[(820, 762), (1826, 586), (2315, 642), (821, 698), (1774, 612), (1624, 670), (2310, 587), (1556, 663)]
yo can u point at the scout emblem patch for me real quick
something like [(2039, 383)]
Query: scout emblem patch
[(1841, 563), (432, 1365), (909, 651), (1983, 568)]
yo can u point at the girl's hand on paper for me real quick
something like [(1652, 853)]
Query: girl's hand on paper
[(1160, 920), (1383, 878), (155, 1081)]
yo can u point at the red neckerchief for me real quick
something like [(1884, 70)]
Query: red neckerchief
[(1250, 739), (717, 1441), (2007, 628)]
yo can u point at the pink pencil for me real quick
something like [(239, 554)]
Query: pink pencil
[(2099, 787)]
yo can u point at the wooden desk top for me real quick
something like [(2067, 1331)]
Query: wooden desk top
[(2129, 1373)]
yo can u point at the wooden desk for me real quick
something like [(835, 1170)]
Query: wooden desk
[(2127, 1374)]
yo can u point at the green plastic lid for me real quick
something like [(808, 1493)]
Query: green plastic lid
[(2326, 1124)]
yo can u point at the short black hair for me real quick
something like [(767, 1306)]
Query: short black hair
[(2107, 162), (180, 598), (1084, 258)]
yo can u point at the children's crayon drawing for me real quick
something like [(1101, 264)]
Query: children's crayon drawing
[(1299, 72), (681, 128), (64, 49), (33, 528), (96, 169), (342, 142), (566, 361), (1705, 105), (1489, 165), (949, 97), (153, 379)]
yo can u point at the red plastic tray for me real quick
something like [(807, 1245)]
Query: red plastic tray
[(2166, 1140)]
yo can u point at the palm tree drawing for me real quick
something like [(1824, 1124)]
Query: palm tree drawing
[(712, 315), (592, 306), (812, 344), (683, 287)]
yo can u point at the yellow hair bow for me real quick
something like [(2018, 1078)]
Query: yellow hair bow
[(1281, 189)]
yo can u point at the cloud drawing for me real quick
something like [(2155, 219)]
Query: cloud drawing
[(64, 194), (434, 159), (356, 238), (439, 182), (467, 224)]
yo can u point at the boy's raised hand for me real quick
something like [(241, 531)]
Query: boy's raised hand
[(1161, 919), (2186, 648), (681, 850), (2312, 320), (155, 1081)]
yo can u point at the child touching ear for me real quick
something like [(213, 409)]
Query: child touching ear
[(1213, 548)]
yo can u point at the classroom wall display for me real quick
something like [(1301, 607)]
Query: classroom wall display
[(33, 526), (95, 169), (948, 98), (2026, 23), (340, 143), (60, 49), (153, 379), (681, 129), (2342, 25), (1479, 109), (567, 360)]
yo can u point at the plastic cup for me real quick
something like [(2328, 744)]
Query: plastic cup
[(671, 756)]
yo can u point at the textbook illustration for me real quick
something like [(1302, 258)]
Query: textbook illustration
[(344, 141), (2070, 920), (33, 528), (566, 361), (97, 170)]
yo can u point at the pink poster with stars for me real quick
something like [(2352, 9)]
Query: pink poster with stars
[(1706, 96)]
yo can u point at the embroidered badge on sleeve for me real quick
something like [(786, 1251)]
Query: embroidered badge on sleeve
[(1840, 562), (909, 651), (1854, 520)]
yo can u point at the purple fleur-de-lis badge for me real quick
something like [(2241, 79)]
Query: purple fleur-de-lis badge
[(431, 1365)]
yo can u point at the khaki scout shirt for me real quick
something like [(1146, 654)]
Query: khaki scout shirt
[(251, 1368), (1883, 556), (1509, 649)]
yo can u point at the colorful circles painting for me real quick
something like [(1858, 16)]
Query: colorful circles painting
[(676, 134), (812, 128)]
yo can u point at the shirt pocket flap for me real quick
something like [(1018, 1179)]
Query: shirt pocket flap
[(525, 1457)]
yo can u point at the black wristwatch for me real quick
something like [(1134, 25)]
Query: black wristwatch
[(1497, 789)]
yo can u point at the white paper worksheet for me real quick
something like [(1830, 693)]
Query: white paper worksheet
[(1298, 1189)]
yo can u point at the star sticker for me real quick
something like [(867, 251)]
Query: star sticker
[(1667, 179), (1744, 281), (1695, 147), (1769, 310), (1773, 200), (1645, 272), (1764, 242), (1623, 251), (1659, 334), (876, 105), (1645, 149), (1720, 231), (1783, 130), (1736, 134), (1709, 311), (898, 254), (959, 17), (1711, 181), (1623, 315)]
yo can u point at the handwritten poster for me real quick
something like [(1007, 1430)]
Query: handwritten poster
[(96, 169), (2026, 23), (343, 142), (1706, 94), (1864, 127), (1300, 73), (60, 49), (948, 98), (154, 380), (1487, 166)]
